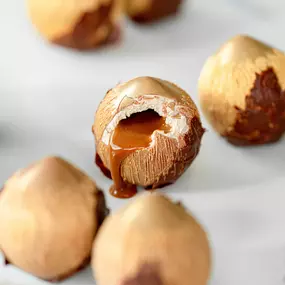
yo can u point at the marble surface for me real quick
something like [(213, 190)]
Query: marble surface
[(49, 95)]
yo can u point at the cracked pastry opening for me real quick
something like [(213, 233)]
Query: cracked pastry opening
[(136, 131), (132, 134)]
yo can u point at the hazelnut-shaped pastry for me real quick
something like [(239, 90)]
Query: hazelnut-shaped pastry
[(79, 24), (241, 91), (151, 241), (147, 132), (49, 215)]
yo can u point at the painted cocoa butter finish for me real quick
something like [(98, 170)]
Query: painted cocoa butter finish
[(263, 119), (147, 133), (89, 22)]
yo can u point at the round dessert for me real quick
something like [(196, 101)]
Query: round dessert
[(242, 91), (147, 132), (49, 215), (151, 239), (145, 11), (79, 24)]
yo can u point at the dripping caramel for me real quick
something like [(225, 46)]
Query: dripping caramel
[(130, 135)]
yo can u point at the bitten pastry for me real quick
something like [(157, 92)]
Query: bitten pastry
[(147, 132), (145, 11), (49, 215), (79, 24), (151, 241), (242, 91)]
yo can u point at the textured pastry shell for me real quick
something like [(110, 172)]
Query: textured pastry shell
[(168, 156)]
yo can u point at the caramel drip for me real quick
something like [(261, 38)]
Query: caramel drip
[(131, 134)]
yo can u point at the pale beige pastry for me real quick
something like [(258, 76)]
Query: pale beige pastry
[(153, 238), (49, 215)]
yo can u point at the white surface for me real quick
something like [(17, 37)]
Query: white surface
[(49, 95)]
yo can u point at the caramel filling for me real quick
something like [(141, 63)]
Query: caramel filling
[(130, 135)]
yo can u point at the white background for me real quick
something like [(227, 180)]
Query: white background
[(49, 96)]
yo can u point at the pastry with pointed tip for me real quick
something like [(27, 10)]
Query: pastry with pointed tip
[(151, 238), (241, 90), (146, 11), (169, 152), (49, 215), (78, 24)]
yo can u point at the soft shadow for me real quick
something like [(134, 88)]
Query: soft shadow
[(189, 29), (238, 226), (271, 156), (178, 33), (83, 277), (9, 135), (221, 166)]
